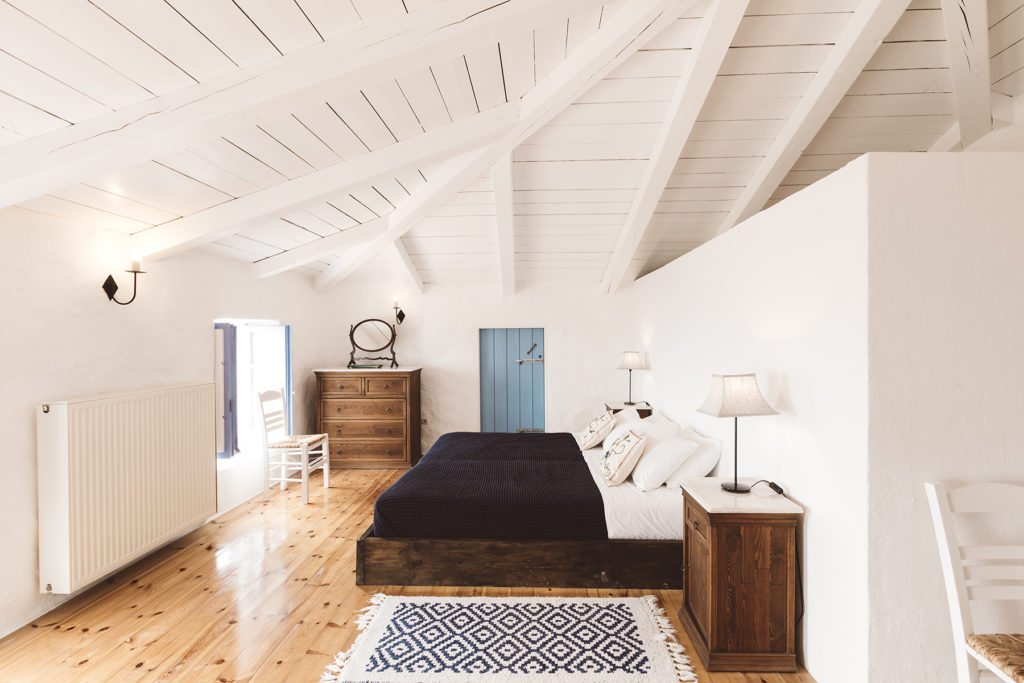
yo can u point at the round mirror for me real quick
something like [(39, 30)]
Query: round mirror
[(373, 335)]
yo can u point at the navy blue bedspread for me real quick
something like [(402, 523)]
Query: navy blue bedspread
[(495, 486)]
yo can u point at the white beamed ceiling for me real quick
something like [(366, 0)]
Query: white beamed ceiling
[(63, 62)]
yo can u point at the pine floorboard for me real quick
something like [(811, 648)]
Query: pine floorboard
[(264, 593)]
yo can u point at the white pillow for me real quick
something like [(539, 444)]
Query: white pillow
[(624, 421), (660, 460), (657, 431), (621, 457), (700, 463), (595, 431)]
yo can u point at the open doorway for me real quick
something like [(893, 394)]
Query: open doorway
[(252, 356)]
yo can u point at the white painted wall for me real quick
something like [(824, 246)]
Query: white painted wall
[(63, 338), (784, 295), (947, 371), (584, 334)]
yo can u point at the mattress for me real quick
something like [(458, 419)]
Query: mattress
[(495, 486), (632, 513)]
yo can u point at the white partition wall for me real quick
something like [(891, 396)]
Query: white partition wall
[(881, 309), (784, 294)]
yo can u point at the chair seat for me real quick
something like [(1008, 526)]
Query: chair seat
[(1005, 651), (298, 441)]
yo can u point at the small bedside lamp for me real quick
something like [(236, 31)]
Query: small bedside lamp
[(631, 361), (735, 396)]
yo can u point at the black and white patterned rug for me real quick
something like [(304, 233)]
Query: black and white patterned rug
[(497, 640)]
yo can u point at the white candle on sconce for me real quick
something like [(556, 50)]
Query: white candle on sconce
[(136, 267)]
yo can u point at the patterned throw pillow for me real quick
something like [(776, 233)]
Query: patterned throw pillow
[(595, 431), (621, 456)]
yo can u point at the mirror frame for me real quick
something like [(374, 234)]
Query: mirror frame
[(388, 347)]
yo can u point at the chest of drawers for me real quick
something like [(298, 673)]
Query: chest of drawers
[(371, 416)]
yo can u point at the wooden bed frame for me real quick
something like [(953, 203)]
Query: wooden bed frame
[(479, 562)]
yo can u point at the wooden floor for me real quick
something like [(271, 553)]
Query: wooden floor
[(264, 593)]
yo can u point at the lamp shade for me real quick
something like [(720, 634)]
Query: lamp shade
[(735, 396), (631, 361)]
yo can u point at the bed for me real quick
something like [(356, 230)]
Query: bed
[(520, 510)]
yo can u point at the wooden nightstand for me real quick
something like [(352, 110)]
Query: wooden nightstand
[(739, 574), (643, 408)]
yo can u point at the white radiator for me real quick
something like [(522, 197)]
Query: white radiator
[(119, 476)]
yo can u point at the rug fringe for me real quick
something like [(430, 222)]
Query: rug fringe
[(667, 633), (334, 670)]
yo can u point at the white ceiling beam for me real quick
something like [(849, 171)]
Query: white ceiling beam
[(311, 251), (709, 49), (621, 35), (286, 84), (870, 24), (402, 262), (231, 216), (1002, 115), (504, 211), (966, 23)]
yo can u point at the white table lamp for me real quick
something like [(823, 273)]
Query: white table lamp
[(631, 360), (735, 396)]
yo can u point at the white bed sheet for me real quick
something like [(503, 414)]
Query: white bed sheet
[(632, 513)]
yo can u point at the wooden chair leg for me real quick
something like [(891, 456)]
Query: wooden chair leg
[(305, 474), (283, 472)]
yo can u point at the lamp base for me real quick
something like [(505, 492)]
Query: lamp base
[(735, 488), (630, 403)]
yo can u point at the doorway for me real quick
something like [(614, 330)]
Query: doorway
[(512, 379), (252, 356)]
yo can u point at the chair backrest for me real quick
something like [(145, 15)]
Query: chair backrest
[(275, 419), (975, 572)]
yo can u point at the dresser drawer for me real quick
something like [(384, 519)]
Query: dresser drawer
[(341, 386), (364, 429), (362, 409), (697, 521), (381, 386), (368, 450)]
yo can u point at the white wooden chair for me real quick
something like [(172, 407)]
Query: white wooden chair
[(980, 572), (290, 453)]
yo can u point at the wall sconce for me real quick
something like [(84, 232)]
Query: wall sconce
[(110, 287), (399, 314)]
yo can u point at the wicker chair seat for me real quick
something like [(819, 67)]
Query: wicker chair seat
[(298, 441), (1004, 650)]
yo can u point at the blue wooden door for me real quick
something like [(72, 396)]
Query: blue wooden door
[(512, 380)]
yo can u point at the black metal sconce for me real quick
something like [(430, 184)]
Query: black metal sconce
[(110, 287), (399, 314)]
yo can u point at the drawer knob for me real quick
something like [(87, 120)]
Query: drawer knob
[(389, 431), (387, 386), (389, 410)]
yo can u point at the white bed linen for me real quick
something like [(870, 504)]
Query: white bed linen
[(631, 513)]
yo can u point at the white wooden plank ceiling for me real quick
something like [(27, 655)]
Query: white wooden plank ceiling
[(574, 181)]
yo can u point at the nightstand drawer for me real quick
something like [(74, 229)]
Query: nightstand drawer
[(697, 522)]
